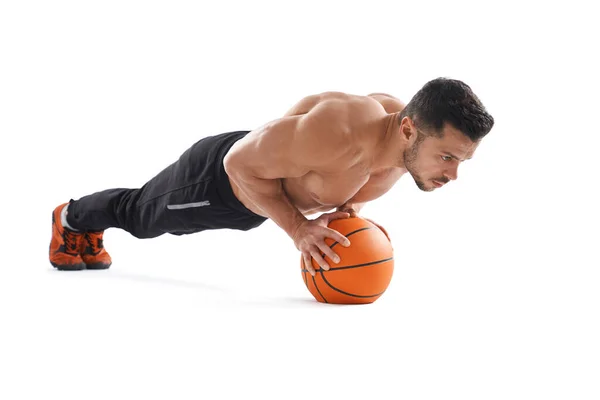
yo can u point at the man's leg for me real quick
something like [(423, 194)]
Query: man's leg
[(191, 195), (78, 227), (112, 208)]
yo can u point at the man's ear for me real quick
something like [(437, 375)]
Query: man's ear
[(408, 130)]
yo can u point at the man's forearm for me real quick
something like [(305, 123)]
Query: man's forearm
[(268, 196)]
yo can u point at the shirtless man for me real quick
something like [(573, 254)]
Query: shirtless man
[(330, 151)]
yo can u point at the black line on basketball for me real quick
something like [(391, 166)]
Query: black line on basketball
[(352, 266), (316, 287), (346, 293), (350, 234), (360, 265)]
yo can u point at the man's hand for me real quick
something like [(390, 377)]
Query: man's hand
[(379, 226), (310, 236), (354, 214), (351, 208)]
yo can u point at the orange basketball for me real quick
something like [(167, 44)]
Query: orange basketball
[(365, 268)]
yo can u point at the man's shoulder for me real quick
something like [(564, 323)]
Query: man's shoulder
[(391, 103), (342, 111)]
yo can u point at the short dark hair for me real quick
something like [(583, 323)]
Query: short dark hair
[(444, 100)]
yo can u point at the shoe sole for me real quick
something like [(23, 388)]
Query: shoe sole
[(80, 267), (77, 267), (98, 266), (74, 267)]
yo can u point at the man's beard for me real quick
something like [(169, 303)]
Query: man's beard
[(410, 161)]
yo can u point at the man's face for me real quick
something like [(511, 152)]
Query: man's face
[(433, 161)]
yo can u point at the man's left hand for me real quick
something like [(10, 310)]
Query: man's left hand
[(354, 214), (380, 227)]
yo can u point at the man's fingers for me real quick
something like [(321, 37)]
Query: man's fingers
[(308, 264), (319, 259), (350, 212), (338, 237), (329, 253), (337, 215)]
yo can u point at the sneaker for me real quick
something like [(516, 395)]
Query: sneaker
[(64, 245), (92, 251)]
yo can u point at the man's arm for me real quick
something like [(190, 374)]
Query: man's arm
[(286, 148)]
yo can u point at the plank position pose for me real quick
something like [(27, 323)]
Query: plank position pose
[(331, 151)]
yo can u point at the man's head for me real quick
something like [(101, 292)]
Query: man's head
[(442, 126)]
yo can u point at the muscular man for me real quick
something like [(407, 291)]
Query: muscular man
[(331, 151)]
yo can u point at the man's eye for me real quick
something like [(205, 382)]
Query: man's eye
[(446, 158)]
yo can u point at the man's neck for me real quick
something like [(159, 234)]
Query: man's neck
[(389, 153)]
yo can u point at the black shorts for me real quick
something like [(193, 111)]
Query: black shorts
[(191, 195)]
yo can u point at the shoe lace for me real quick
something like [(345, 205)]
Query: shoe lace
[(94, 241), (72, 241)]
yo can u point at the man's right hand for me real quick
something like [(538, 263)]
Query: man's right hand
[(310, 236)]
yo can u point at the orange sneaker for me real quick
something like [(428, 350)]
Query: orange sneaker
[(92, 251), (64, 245)]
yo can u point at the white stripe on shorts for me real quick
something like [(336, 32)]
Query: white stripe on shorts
[(188, 205)]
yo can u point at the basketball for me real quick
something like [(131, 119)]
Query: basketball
[(365, 268)]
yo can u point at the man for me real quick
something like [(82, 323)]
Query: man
[(330, 151)]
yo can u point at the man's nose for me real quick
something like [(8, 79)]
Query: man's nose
[(451, 173)]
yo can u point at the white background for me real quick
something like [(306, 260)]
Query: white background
[(496, 289)]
